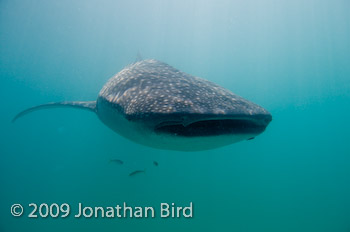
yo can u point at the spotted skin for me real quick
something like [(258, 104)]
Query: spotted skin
[(153, 89)]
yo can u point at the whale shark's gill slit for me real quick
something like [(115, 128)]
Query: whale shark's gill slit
[(168, 123), (212, 128), (87, 105)]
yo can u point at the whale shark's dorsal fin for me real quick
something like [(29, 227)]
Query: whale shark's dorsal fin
[(138, 57), (88, 105)]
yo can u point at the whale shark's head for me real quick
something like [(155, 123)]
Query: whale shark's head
[(157, 105)]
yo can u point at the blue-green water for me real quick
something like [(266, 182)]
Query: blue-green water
[(291, 57)]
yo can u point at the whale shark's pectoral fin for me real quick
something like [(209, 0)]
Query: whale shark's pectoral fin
[(87, 105)]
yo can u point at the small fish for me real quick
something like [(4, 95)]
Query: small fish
[(117, 161), (155, 163), (136, 172)]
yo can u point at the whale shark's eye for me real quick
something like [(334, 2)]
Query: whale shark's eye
[(211, 127)]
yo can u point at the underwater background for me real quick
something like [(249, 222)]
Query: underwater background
[(291, 57)]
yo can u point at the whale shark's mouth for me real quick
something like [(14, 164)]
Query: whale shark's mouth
[(213, 127)]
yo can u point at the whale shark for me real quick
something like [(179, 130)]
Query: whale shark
[(157, 105)]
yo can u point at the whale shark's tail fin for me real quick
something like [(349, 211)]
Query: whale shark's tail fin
[(88, 105)]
